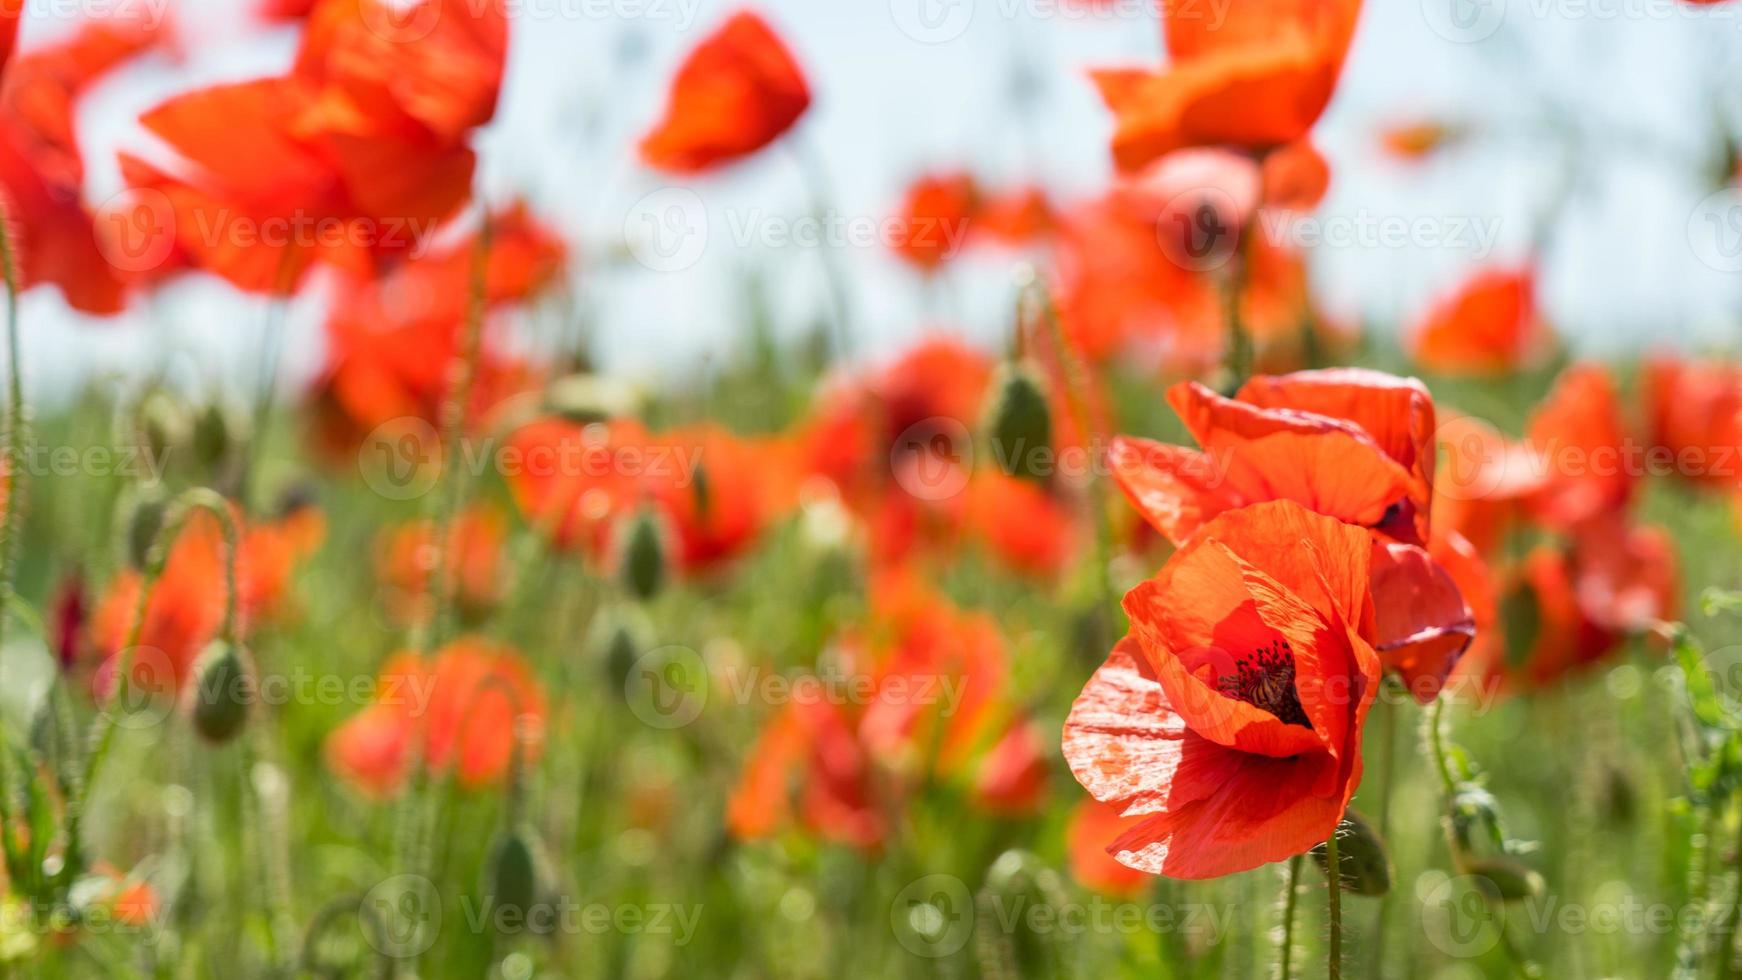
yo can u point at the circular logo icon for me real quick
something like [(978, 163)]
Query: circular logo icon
[(1476, 461), (1459, 920), (933, 916), (932, 21), (135, 229), (1715, 230), (402, 21), (667, 687), (667, 230), (1464, 21), (402, 916), (146, 700), (401, 459), (1198, 230), (932, 458)]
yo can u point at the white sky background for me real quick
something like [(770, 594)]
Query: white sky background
[(1636, 78)]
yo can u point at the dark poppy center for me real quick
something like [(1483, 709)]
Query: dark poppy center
[(1265, 679)]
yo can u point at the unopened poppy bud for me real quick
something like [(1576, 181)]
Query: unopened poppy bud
[(1018, 423), (164, 425), (641, 555), (141, 513), (617, 639), (1364, 866), (218, 432), (512, 876), (1502, 879), (222, 692)]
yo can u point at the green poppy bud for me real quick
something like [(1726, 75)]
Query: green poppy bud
[(616, 639), (1018, 424), (140, 516), (222, 692), (512, 876), (641, 557), (218, 433), (1364, 866), (164, 425), (1502, 879)]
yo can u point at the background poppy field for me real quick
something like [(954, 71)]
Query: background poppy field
[(955, 488)]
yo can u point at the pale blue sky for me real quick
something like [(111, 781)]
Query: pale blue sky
[(586, 76)]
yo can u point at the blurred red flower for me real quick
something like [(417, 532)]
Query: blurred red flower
[(1694, 412), (1256, 77), (738, 91), (475, 558), (460, 712), (186, 609), (353, 156), (58, 239), (1488, 325)]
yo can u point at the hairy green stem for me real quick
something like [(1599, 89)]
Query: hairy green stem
[(1334, 882), (1285, 947), (17, 433), (102, 734)]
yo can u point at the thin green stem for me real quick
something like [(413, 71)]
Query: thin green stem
[(102, 734), (1334, 884), (1433, 729), (816, 186), (17, 432), (1291, 891), (431, 632), (1239, 360)]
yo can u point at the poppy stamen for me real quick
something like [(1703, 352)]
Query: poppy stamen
[(1265, 679)]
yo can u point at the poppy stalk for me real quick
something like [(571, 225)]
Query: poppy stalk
[(17, 428), (103, 727)]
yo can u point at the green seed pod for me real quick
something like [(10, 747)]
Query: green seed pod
[(218, 433), (1364, 866), (1018, 424), (140, 515), (1502, 879), (616, 639), (164, 425), (641, 557), (512, 876), (222, 693)]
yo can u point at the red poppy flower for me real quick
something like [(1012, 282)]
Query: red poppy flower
[(391, 340), (364, 142), (474, 556), (285, 9), (738, 91), (460, 712), (1012, 777), (813, 744), (186, 608), (1694, 412), (1256, 78), (1578, 432), (43, 171), (1481, 489), (1488, 325), (1295, 176), (1347, 443), (1091, 826), (1023, 524), (11, 12), (1414, 141), (934, 218), (1231, 717)]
